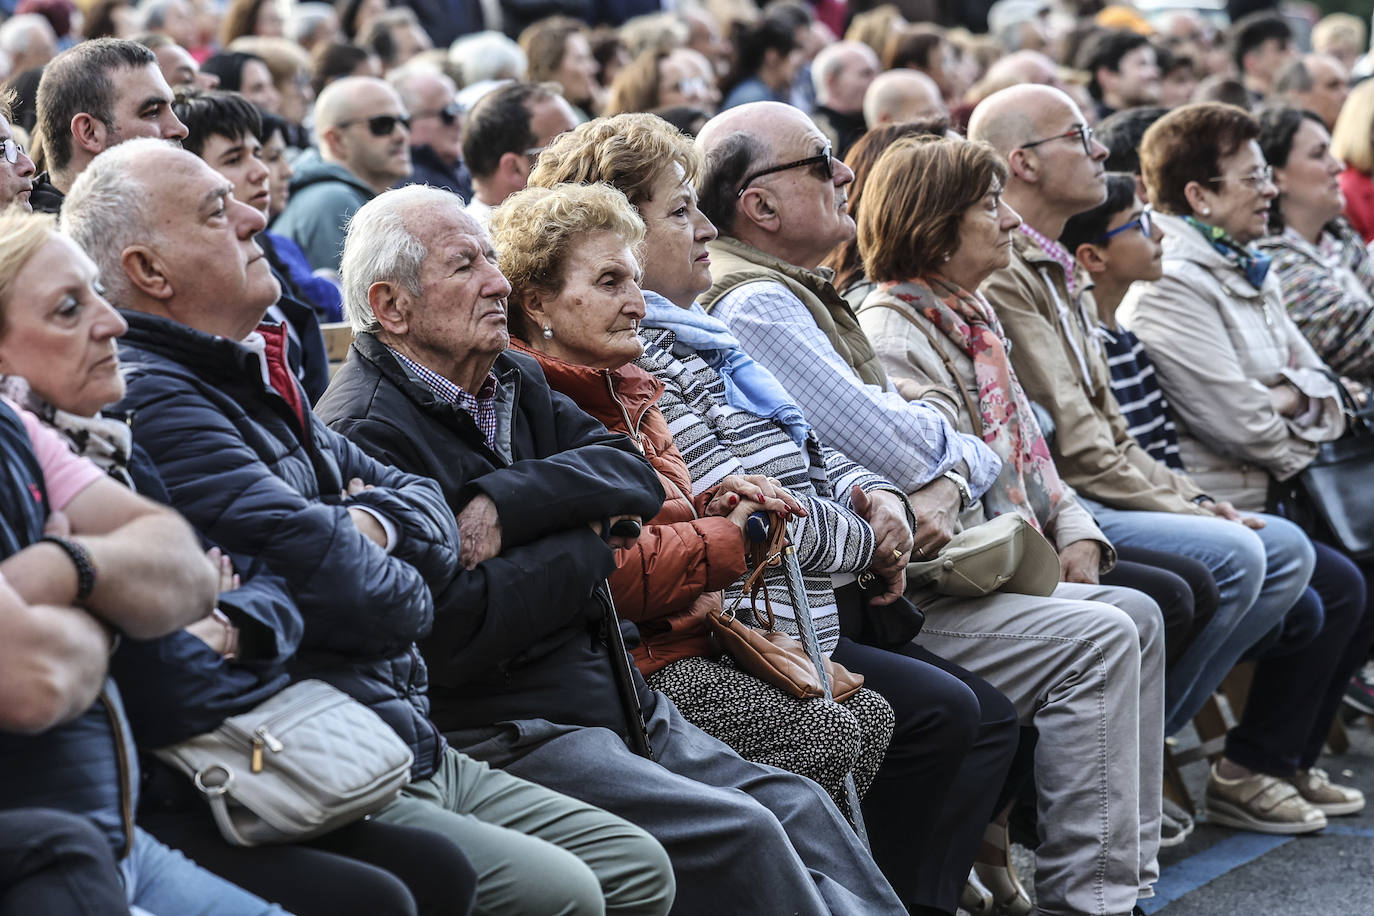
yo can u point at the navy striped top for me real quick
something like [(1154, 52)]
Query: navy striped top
[(1142, 402)]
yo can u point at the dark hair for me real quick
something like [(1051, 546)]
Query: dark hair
[(214, 112), (1187, 144), (228, 66), (271, 124), (333, 60), (1121, 133), (348, 11), (845, 260), (498, 124), (100, 23), (1224, 89), (545, 43), (911, 48), (919, 190), (381, 34), (24, 105), (1106, 49), (1249, 32), (753, 41), (685, 118), (1176, 58), (1090, 225), (1278, 125), (726, 166), (80, 80), (793, 13)]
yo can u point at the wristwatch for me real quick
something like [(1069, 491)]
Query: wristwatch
[(965, 494)]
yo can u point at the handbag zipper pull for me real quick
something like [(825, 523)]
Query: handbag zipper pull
[(262, 738)]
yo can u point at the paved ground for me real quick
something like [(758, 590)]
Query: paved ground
[(1222, 872)]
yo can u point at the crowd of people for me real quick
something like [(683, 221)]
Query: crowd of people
[(977, 356)]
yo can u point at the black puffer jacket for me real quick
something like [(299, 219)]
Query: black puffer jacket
[(513, 638), (238, 466)]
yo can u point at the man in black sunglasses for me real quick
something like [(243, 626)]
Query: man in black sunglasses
[(363, 130), (436, 129)]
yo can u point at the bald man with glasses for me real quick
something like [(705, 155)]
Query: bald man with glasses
[(363, 129), (436, 129)]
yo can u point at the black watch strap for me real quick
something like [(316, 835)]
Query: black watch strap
[(81, 559)]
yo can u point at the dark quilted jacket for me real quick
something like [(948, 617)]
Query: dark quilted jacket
[(237, 464)]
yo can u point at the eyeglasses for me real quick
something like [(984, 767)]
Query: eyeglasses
[(448, 115), (824, 160), (1144, 221), (381, 125), (12, 150), (1254, 181), (1078, 132)]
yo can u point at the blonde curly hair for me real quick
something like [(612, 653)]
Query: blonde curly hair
[(627, 151), (535, 230)]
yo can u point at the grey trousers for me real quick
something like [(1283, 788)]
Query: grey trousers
[(744, 838), (537, 853), (1086, 668)]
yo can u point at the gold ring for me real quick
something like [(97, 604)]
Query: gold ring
[(920, 551), (896, 553)]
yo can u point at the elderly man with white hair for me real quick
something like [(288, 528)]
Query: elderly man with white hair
[(29, 40), (524, 673), (841, 74), (362, 546)]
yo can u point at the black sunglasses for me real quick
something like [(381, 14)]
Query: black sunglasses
[(824, 160), (381, 125), (448, 115)]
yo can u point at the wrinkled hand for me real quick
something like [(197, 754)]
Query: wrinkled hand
[(1080, 562), (886, 515), (767, 492), (479, 528), (228, 579), (1231, 514), (743, 509), (937, 512), (615, 541)]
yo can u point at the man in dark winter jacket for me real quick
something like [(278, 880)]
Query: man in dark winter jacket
[(519, 636), (364, 148), (358, 543), (436, 129)]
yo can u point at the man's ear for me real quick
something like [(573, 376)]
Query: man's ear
[(332, 139), (1024, 165), (146, 272), (1090, 258), (759, 207), (391, 305), (513, 169), (89, 133)]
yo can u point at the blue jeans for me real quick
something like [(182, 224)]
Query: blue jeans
[(1259, 575), (162, 882)]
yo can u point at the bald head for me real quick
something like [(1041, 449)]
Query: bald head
[(1016, 69), (351, 97), (902, 95), (1017, 115)]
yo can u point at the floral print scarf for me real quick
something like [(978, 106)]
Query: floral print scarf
[(1029, 482), (1253, 264)]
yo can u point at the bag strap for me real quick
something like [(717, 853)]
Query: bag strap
[(217, 795), (975, 417)]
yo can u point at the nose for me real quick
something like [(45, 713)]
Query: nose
[(24, 166), (248, 222), (705, 229), (171, 126), (108, 323), (1100, 152), (495, 285), (634, 304), (843, 173), (1010, 218)]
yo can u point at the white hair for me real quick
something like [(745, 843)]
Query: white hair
[(831, 60), (105, 212), (487, 56), (306, 18), (402, 78), (16, 34), (153, 13), (379, 248)]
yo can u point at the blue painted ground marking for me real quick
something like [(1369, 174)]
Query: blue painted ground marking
[(1227, 855)]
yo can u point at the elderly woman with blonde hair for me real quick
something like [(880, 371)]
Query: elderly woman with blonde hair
[(729, 417)]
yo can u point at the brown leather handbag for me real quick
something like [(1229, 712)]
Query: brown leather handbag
[(770, 655)]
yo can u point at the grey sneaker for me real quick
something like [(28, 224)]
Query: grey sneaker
[(1331, 798)]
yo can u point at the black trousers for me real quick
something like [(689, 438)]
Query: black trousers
[(56, 864), (364, 869), (952, 746), (1182, 587)]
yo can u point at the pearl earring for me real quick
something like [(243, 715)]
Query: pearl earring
[(1206, 211), (548, 333)]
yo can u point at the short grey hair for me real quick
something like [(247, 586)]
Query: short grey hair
[(487, 56), (380, 248), (153, 13), (306, 18), (105, 212), (16, 33)]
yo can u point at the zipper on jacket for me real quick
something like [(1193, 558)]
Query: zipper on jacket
[(630, 426), (126, 787)]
